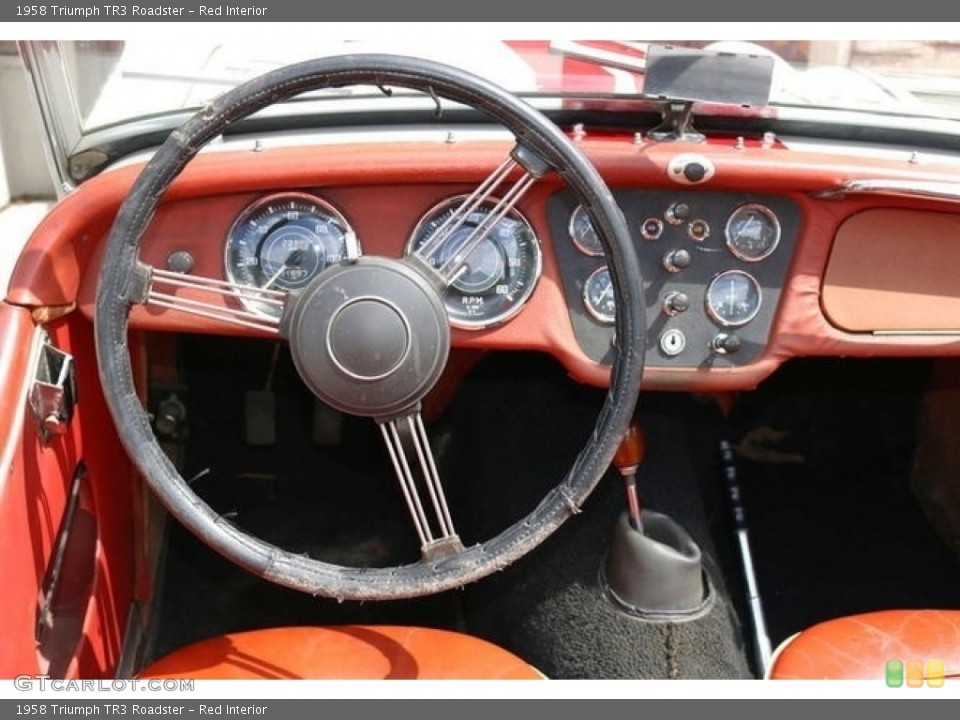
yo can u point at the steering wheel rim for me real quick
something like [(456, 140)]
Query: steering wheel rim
[(123, 282)]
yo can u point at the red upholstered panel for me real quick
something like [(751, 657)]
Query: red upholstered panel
[(858, 647), (344, 652)]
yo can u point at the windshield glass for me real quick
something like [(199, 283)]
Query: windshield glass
[(115, 82)]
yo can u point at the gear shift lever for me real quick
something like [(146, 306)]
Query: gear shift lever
[(629, 456), (653, 569)]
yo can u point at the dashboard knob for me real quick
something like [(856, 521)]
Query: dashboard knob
[(725, 344), (676, 260), (677, 213), (694, 171), (675, 303)]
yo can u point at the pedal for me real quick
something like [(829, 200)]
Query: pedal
[(327, 425), (260, 415)]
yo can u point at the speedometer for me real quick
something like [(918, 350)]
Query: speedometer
[(500, 273), (282, 242)]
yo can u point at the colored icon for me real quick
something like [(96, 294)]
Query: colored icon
[(935, 673), (894, 673), (914, 673)]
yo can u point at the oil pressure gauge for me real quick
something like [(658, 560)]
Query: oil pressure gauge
[(752, 232)]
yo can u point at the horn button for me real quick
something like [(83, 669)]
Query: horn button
[(369, 338)]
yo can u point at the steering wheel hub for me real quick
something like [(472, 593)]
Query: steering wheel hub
[(369, 338)]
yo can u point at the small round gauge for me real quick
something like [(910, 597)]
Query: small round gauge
[(598, 296), (582, 233), (282, 242), (500, 273), (752, 232), (733, 298)]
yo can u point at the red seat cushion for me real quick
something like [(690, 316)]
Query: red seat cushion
[(343, 652), (858, 647)]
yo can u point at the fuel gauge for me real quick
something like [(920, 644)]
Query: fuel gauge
[(733, 298)]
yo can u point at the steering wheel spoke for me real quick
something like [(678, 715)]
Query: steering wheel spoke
[(430, 253), (409, 448), (164, 290)]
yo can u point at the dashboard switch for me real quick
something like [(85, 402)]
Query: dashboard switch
[(676, 260), (725, 344), (677, 213), (675, 303)]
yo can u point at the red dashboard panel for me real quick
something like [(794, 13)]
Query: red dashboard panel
[(383, 190)]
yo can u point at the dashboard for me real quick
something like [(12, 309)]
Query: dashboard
[(760, 253)]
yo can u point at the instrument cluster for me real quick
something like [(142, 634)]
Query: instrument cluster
[(713, 264), (284, 241)]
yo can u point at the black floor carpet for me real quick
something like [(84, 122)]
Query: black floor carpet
[(826, 452), (510, 435)]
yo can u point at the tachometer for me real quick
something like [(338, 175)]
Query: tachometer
[(753, 232), (499, 275), (282, 242)]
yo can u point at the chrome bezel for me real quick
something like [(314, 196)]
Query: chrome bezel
[(575, 238), (698, 222), (522, 299), (651, 235), (597, 315), (251, 209), (763, 210), (719, 319)]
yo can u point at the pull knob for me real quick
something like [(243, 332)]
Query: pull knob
[(676, 260), (677, 213), (694, 171), (725, 344), (676, 302)]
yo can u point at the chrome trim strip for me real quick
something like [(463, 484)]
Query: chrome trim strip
[(905, 188)]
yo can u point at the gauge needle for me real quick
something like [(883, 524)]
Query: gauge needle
[(292, 260)]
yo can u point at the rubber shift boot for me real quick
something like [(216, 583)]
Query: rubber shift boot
[(657, 575)]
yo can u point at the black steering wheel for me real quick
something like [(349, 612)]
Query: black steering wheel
[(370, 336)]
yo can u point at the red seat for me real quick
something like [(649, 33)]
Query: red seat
[(343, 652), (858, 647)]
